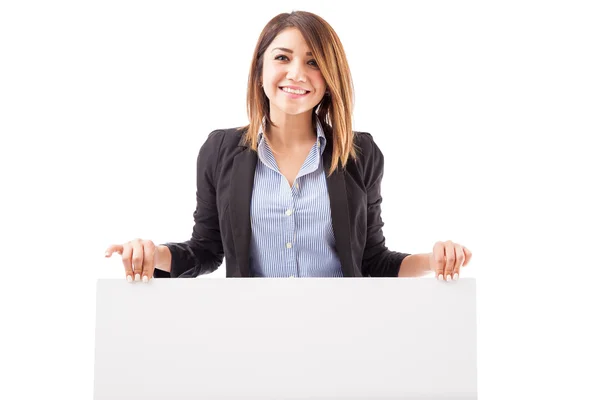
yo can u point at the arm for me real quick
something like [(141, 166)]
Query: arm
[(203, 253), (377, 260), (164, 259), (414, 266)]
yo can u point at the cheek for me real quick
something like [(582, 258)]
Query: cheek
[(318, 80), (272, 71), (267, 73)]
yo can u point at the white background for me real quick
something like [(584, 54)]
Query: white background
[(487, 114)]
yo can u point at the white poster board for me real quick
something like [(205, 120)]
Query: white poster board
[(291, 338)]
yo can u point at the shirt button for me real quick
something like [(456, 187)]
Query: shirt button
[(297, 185), (288, 245), (288, 212)]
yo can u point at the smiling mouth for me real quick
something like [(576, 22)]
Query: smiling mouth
[(295, 94)]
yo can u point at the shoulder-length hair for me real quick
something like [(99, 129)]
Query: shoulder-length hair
[(334, 109)]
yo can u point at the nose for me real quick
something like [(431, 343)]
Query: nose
[(296, 71)]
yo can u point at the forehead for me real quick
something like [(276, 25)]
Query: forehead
[(290, 38)]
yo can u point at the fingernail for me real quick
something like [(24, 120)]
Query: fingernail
[(448, 277), (129, 279), (106, 254), (137, 277), (440, 277), (145, 279), (455, 277)]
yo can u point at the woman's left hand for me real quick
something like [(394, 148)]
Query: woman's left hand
[(447, 258)]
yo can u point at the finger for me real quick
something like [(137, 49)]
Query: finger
[(468, 256), (113, 248), (137, 259), (126, 258), (450, 259), (438, 260), (148, 263), (460, 259)]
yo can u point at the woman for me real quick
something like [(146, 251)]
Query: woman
[(296, 192)]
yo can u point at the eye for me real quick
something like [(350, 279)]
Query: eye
[(311, 62)]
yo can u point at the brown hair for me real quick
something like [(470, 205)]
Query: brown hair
[(334, 109)]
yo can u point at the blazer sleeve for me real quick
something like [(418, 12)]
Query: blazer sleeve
[(203, 253), (378, 260)]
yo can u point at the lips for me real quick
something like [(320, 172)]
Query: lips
[(294, 88)]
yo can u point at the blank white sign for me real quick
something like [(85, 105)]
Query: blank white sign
[(291, 338)]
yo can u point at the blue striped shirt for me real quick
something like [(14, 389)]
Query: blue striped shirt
[(292, 233)]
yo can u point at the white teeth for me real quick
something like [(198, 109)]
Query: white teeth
[(288, 90)]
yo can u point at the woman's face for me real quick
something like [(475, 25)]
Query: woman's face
[(287, 65)]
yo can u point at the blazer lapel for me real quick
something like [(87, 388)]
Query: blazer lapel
[(340, 215), (240, 195), (242, 182)]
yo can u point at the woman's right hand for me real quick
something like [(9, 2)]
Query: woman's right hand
[(139, 258)]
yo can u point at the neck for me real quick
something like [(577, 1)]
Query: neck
[(291, 132)]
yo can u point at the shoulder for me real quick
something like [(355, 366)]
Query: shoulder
[(225, 136), (368, 153), (369, 157), (219, 147), (223, 140), (364, 142)]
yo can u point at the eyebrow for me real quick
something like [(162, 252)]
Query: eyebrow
[(308, 53)]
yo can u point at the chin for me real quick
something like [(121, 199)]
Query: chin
[(294, 110), (298, 111)]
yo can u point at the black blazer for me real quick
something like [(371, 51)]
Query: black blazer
[(225, 177)]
